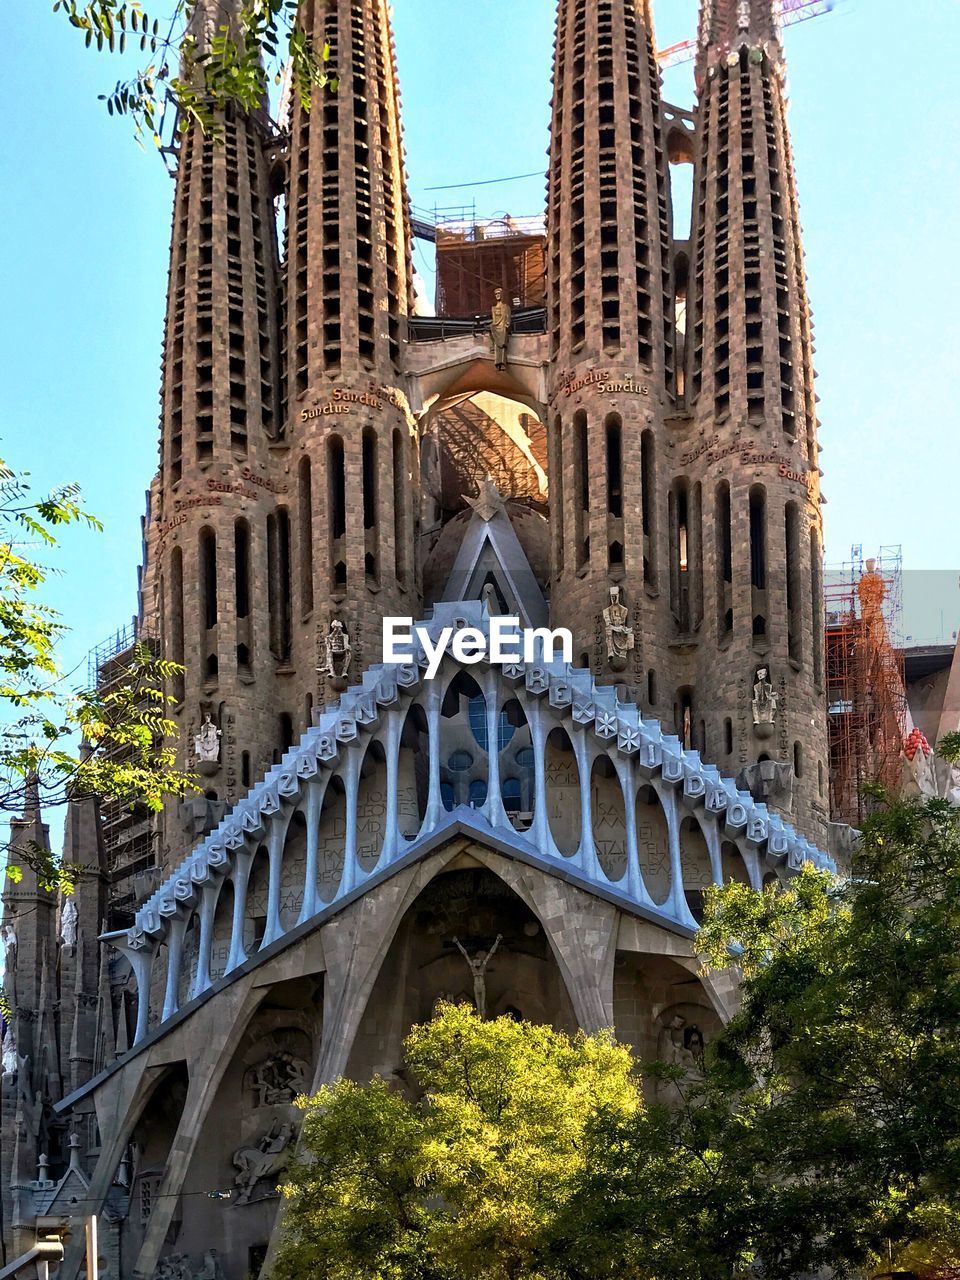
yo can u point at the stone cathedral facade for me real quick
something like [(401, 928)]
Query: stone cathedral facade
[(361, 825)]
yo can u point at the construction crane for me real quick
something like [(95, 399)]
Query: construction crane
[(791, 11)]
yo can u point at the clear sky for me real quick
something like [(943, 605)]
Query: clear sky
[(876, 97)]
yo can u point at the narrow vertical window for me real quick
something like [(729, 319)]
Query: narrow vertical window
[(614, 437), (176, 618), (816, 608), (724, 562), (652, 687), (278, 582), (371, 561), (798, 759), (648, 501), (678, 503), (758, 560), (399, 510), (728, 736), (794, 607), (241, 552), (306, 537), (245, 768), (556, 492), (241, 567), (208, 602), (337, 511), (581, 462)]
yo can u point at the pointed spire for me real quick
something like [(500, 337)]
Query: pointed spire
[(31, 798), (729, 26)]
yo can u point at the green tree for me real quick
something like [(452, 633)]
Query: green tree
[(170, 68), (465, 1182), (845, 1054), (114, 743)]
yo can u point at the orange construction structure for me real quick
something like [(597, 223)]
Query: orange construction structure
[(866, 697)]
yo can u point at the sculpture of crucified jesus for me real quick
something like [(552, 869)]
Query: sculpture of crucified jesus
[(478, 965)]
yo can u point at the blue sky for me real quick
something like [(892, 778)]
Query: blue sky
[(83, 258)]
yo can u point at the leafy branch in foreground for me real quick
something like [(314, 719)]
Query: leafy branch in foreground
[(201, 68), (125, 753)]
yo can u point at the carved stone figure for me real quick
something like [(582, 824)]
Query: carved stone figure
[(8, 935), (280, 1079), (478, 967), (620, 637), (951, 791), (765, 701), (69, 920), (500, 317), (206, 744), (266, 1160), (681, 1045), (743, 15), (919, 776), (10, 1060), (338, 652), (210, 1268)]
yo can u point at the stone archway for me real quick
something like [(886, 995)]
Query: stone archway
[(471, 904)]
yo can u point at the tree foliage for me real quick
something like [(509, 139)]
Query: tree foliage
[(847, 1048), (822, 1134), (114, 742), (232, 64), (468, 1180)]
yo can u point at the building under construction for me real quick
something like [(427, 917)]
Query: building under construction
[(128, 830), (867, 706)]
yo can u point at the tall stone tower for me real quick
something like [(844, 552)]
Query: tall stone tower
[(750, 467), (683, 470), (212, 547), (284, 500), (348, 292), (611, 326)]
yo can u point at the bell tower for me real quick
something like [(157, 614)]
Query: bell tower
[(758, 701), (348, 293), (611, 331)]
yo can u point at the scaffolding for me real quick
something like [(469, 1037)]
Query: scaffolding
[(475, 256), (128, 827), (866, 695)]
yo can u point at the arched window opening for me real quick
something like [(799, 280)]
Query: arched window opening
[(399, 510), (758, 560), (241, 555), (724, 561), (798, 760), (581, 487), (284, 736), (648, 500), (176, 618), (208, 602), (614, 437), (368, 451), (794, 607), (306, 538), (337, 510), (652, 688), (681, 536), (241, 564), (816, 610), (728, 737), (556, 491), (278, 583), (684, 717)]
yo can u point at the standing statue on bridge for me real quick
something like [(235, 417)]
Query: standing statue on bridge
[(500, 318)]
